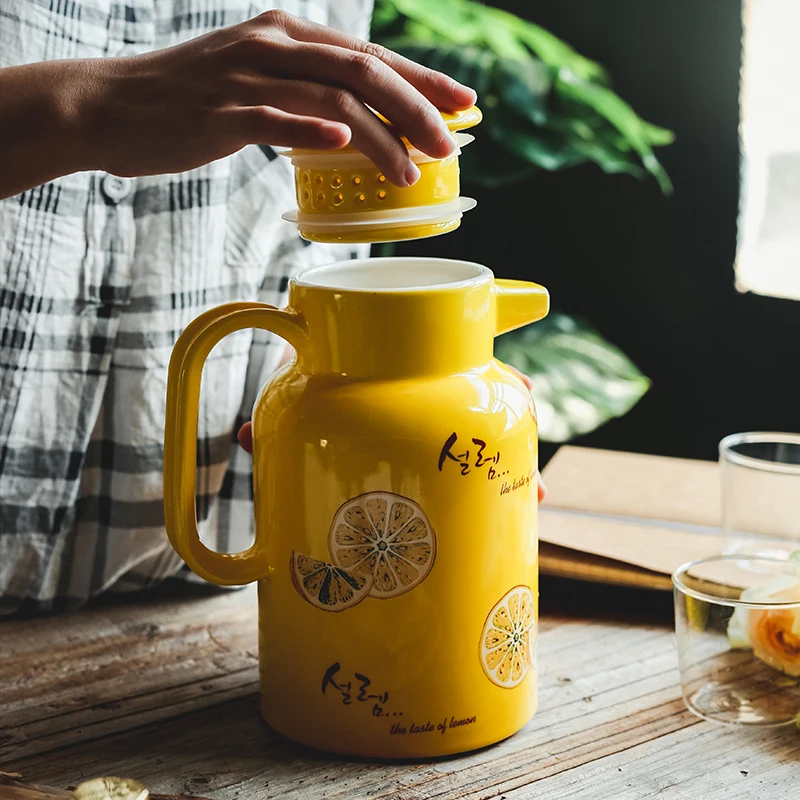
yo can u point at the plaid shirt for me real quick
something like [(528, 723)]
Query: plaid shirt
[(98, 276)]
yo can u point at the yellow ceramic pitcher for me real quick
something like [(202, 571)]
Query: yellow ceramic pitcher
[(395, 504)]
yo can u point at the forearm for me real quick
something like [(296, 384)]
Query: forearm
[(275, 79), (44, 111)]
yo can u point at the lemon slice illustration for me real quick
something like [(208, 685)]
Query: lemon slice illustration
[(506, 640), (386, 537), (327, 586)]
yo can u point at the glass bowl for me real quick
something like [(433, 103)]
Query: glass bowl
[(737, 623)]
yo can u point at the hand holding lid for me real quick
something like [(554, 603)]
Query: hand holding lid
[(343, 197)]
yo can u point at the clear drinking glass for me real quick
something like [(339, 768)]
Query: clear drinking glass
[(737, 622), (760, 493)]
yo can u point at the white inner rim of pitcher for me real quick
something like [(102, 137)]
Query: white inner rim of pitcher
[(395, 274)]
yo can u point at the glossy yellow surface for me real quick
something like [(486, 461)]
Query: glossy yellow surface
[(328, 191), (394, 393), (395, 234), (332, 186)]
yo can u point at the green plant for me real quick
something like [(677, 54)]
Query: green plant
[(546, 107), (580, 381)]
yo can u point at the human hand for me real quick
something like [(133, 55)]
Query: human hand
[(275, 79), (245, 434), (529, 384)]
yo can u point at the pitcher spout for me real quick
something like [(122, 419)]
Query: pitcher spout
[(518, 303)]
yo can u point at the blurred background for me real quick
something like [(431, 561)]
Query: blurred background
[(651, 271)]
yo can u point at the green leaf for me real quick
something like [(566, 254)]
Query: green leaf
[(493, 167), (504, 42), (384, 249), (416, 32), (454, 19), (549, 48), (545, 106), (620, 115), (580, 381), (472, 23), (549, 149), (591, 139), (383, 16), (543, 151), (470, 65), (658, 136), (523, 86), (607, 158)]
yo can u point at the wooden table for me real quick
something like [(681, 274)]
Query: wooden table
[(163, 689)]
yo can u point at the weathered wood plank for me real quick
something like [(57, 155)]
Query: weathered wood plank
[(121, 667), (588, 698), (701, 762), (184, 719)]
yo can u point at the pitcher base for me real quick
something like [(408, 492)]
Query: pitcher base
[(399, 748)]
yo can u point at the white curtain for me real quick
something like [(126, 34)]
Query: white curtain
[(768, 252)]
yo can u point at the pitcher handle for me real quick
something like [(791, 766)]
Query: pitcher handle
[(180, 434)]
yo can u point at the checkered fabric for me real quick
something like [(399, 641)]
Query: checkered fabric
[(98, 276)]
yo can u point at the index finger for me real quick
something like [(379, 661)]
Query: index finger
[(443, 91)]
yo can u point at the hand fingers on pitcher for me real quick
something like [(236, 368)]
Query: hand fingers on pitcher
[(529, 383), (287, 355), (245, 437), (440, 89), (266, 125), (369, 134), (522, 376)]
